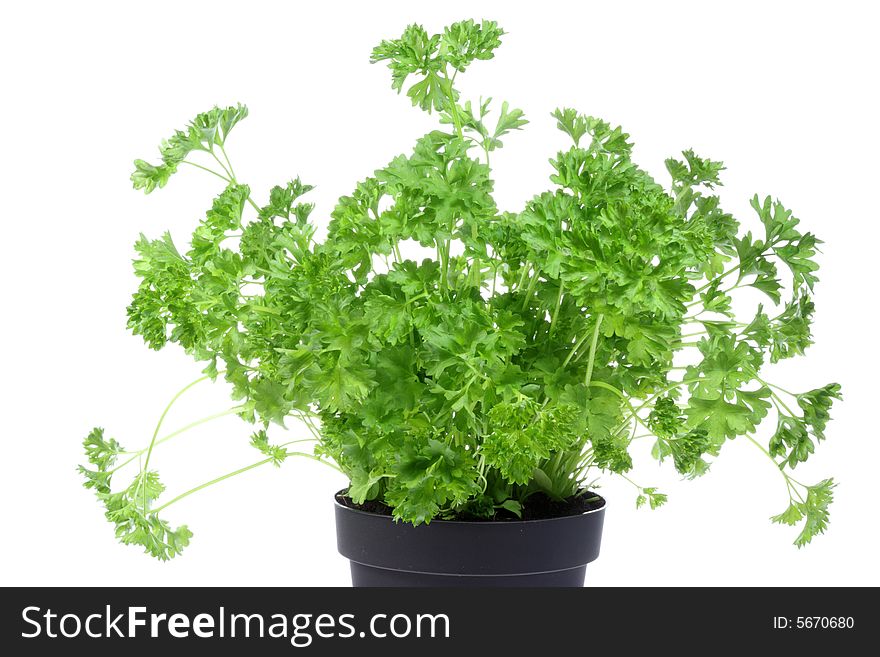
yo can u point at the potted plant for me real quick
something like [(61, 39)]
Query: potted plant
[(469, 391)]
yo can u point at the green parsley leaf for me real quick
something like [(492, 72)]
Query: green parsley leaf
[(205, 131)]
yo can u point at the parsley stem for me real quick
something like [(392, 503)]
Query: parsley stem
[(232, 411), (226, 157), (719, 277), (310, 425), (241, 471), (223, 166), (212, 482), (453, 107), (159, 426), (177, 432), (556, 308), (523, 276), (788, 480), (779, 388), (199, 166), (629, 480), (530, 291), (793, 489), (593, 344), (264, 309), (722, 292), (779, 401), (574, 349), (776, 397)]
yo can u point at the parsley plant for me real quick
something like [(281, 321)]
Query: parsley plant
[(531, 348)]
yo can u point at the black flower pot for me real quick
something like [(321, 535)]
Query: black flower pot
[(551, 552)]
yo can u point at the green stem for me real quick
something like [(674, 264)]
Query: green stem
[(238, 472), (177, 432), (556, 308), (446, 247), (630, 481), (778, 400), (574, 350), (692, 319), (192, 425), (475, 272), (230, 172), (453, 108), (779, 388), (264, 309), (422, 295), (226, 157), (719, 277), (632, 436), (443, 259), (693, 335), (222, 166), (159, 426), (310, 425), (530, 291), (522, 276), (777, 397), (788, 480), (456, 120), (212, 482), (585, 459), (229, 178), (593, 344), (211, 171)]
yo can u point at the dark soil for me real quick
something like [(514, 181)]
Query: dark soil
[(536, 507)]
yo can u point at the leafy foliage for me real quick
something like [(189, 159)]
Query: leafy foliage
[(812, 510), (260, 440), (130, 509), (794, 434), (529, 350), (203, 133)]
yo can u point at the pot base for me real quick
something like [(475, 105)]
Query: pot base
[(363, 575), (552, 552)]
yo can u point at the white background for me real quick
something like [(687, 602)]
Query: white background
[(783, 92)]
